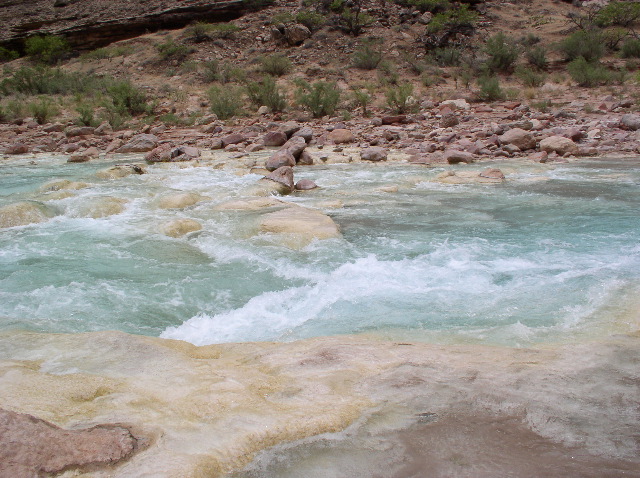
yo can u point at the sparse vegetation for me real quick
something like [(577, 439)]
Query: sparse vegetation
[(530, 77), (320, 98), (400, 99), (630, 48), (170, 50), (620, 13), (275, 65), (503, 53), (86, 115), (225, 101), (490, 89), (48, 49), (7, 55), (310, 19), (361, 99), (446, 56), (537, 57), (43, 110), (266, 93), (108, 52), (587, 73), (127, 98), (366, 57), (586, 44)]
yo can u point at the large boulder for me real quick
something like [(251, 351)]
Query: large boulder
[(341, 135), (296, 33), (454, 156), (140, 143), (279, 159), (30, 446), (519, 137), (274, 138), (630, 121), (374, 153), (296, 145), (16, 148), (80, 131), (558, 144), (233, 138), (282, 175), (23, 213)]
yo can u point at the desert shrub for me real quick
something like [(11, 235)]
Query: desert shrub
[(400, 99), (225, 102), (457, 18), (266, 92), (320, 98), (199, 32), (623, 14), (490, 89), (361, 99), (275, 65), (223, 30), (366, 57), (529, 40), (433, 6), (530, 77), (310, 19), (502, 52), (587, 73), (351, 17), (107, 52), (43, 110), (86, 115), (210, 71), (585, 44), (15, 109), (170, 50), (537, 56), (7, 55), (43, 80), (228, 73), (47, 49), (446, 56), (631, 48), (127, 98), (282, 17), (388, 73)]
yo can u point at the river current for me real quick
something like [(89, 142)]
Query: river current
[(551, 253)]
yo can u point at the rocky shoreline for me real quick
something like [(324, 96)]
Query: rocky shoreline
[(452, 131)]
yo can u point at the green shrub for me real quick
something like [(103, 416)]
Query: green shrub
[(490, 89), (400, 99), (631, 48), (47, 49), (361, 99), (43, 80), (225, 102), (366, 57), (198, 32), (321, 98), (586, 44), (502, 52), (530, 77), (223, 30), (43, 110), (459, 17), (228, 73), (446, 56), (387, 73), (275, 65), (537, 56), (210, 71), (7, 55), (266, 93), (623, 14), (310, 19), (86, 112), (587, 73), (433, 6), (107, 52), (170, 50), (282, 17), (353, 20), (15, 109), (128, 99)]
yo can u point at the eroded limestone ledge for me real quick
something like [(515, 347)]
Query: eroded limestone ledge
[(208, 410)]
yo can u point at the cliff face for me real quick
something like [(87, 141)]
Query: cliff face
[(89, 24)]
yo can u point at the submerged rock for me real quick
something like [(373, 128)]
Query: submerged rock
[(120, 171), (251, 204), (30, 446), (23, 213), (180, 227), (62, 184), (303, 224), (99, 207), (180, 200)]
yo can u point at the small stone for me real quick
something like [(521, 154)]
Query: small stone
[(305, 185)]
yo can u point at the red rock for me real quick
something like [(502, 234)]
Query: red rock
[(305, 185), (233, 138), (374, 153), (340, 136), (518, 137), (274, 138), (279, 159), (454, 156), (393, 119), (78, 158), (558, 144), (492, 173), (32, 447), (305, 159), (16, 148), (139, 144), (80, 131), (282, 175)]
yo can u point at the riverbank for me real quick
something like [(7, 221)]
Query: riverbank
[(567, 410)]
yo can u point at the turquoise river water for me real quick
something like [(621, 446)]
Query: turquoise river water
[(551, 253)]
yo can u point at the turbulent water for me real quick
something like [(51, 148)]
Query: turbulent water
[(552, 252)]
